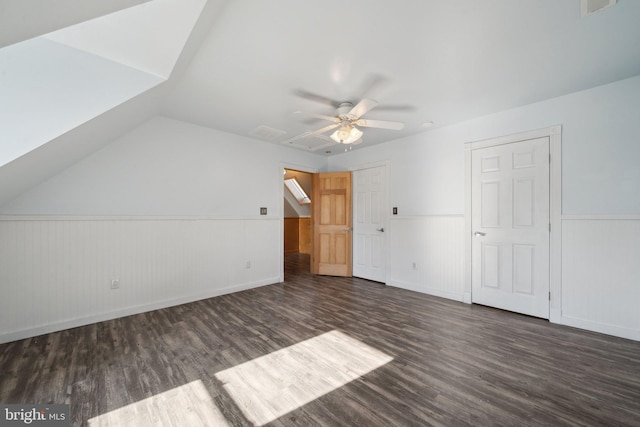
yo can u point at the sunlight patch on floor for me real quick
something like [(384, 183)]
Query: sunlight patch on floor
[(270, 386), (187, 405)]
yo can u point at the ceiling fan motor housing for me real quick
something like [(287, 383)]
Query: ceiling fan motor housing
[(343, 110)]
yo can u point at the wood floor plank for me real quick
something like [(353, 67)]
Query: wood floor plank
[(452, 363)]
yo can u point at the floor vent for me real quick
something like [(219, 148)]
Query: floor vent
[(591, 6)]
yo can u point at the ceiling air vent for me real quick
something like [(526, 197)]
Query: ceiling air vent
[(267, 133), (591, 6)]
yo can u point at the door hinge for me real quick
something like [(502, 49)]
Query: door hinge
[(549, 295), (549, 227)]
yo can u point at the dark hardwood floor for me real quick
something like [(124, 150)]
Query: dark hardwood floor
[(453, 364)]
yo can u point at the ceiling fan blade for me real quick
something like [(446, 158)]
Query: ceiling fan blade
[(308, 134), (362, 107), (372, 86), (384, 107), (382, 124), (325, 129), (317, 98), (318, 116)]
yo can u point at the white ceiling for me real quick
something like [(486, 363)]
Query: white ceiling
[(246, 62), (447, 60), (47, 89), (54, 83), (130, 37), (24, 19), (62, 102)]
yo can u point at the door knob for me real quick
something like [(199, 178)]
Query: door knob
[(479, 233), (347, 229), (380, 229)]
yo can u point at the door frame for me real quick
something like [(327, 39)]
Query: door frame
[(283, 166), (387, 165), (554, 133)]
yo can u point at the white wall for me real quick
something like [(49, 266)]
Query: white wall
[(601, 274), (600, 182), (168, 167), (168, 181), (56, 273), (435, 244), (171, 210)]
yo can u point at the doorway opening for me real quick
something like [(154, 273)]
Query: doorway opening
[(298, 188)]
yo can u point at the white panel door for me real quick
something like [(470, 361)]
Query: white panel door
[(369, 219), (510, 225)]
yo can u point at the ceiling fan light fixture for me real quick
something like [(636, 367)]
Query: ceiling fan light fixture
[(343, 125), (346, 134)]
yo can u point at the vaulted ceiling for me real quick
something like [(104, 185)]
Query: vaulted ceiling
[(440, 61), (246, 66)]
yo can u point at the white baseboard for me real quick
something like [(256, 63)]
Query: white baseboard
[(429, 291), (128, 311), (466, 298), (617, 331)]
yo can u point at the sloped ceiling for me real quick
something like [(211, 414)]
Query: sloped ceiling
[(25, 19), (423, 60), (49, 88), (131, 37), (54, 83), (65, 97), (254, 63)]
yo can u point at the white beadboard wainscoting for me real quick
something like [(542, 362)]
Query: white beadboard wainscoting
[(57, 272), (426, 254), (600, 285), (601, 274)]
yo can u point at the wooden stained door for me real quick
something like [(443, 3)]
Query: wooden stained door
[(331, 217), (510, 225)]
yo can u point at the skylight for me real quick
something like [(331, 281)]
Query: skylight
[(297, 191)]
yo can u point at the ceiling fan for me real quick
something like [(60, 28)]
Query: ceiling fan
[(346, 120)]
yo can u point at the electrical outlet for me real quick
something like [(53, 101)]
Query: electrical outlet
[(263, 211), (247, 264), (395, 210), (115, 284)]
